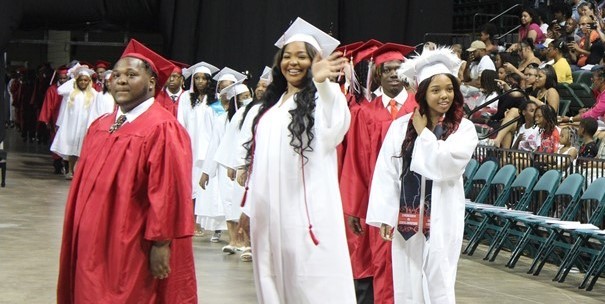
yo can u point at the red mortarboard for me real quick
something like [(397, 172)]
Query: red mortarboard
[(178, 66), (365, 50), (391, 51), (62, 70), (160, 65), (346, 49), (102, 64)]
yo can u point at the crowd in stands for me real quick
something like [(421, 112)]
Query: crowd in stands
[(519, 94)]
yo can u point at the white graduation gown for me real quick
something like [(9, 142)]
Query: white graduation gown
[(288, 267), (103, 104), (193, 119), (424, 271), (225, 156), (72, 121)]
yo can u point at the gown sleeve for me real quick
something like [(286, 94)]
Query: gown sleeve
[(441, 160), (244, 136), (218, 130), (332, 116), (383, 206), (169, 185)]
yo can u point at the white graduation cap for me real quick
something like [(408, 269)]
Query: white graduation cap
[(82, 70), (301, 30), (442, 60), (107, 74), (235, 89), (200, 67), (229, 74), (266, 75)]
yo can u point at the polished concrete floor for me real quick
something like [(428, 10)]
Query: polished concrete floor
[(31, 217)]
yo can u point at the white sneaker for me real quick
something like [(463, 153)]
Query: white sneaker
[(247, 255), (229, 249), (69, 176), (216, 237)]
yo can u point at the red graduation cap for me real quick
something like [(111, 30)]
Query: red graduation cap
[(391, 51), (365, 50), (160, 65), (178, 66), (62, 70), (346, 49), (102, 64)]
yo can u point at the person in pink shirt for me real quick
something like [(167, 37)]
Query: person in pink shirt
[(530, 28), (598, 110)]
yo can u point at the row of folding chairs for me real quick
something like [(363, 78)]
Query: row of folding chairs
[(539, 216)]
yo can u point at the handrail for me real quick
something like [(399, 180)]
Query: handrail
[(505, 34), (486, 15), (504, 12), (467, 36), (494, 99), (495, 16)]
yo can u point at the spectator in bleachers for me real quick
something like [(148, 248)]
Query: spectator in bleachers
[(529, 81), (555, 51), (526, 51), (587, 51), (598, 110), (488, 36), (457, 48), (587, 129), (586, 9), (529, 27), (479, 62), (575, 4), (489, 88), (508, 106), (527, 135), (560, 11), (502, 58), (546, 92), (569, 142), (546, 119)]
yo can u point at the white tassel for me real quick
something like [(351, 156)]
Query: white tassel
[(369, 80)]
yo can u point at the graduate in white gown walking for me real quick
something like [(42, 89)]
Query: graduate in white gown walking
[(417, 196)]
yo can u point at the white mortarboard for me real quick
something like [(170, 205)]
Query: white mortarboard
[(82, 70), (107, 74), (266, 75), (429, 63), (301, 30), (229, 74), (235, 89), (71, 72), (200, 67)]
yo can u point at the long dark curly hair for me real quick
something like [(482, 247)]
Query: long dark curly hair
[(208, 91), (450, 122), (303, 121)]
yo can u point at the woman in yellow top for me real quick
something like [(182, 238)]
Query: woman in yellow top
[(555, 51)]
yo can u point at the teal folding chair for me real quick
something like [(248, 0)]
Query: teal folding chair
[(500, 184), (469, 172), (567, 197), (594, 193), (545, 190)]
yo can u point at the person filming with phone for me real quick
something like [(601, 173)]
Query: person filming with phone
[(589, 50)]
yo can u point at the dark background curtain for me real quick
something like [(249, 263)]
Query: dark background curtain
[(237, 33)]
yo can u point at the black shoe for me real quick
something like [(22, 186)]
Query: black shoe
[(3, 185)]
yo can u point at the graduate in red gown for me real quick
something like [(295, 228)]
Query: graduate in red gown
[(366, 133), (170, 96), (128, 220), (50, 110), (100, 67)]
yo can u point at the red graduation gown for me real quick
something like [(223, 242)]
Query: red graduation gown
[(365, 137), (50, 111), (132, 187), (163, 98)]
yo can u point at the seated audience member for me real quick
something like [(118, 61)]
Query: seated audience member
[(531, 74), (529, 27), (479, 62), (545, 88), (546, 119), (488, 36), (527, 135), (598, 110), (555, 51), (590, 48), (587, 129), (526, 52)]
